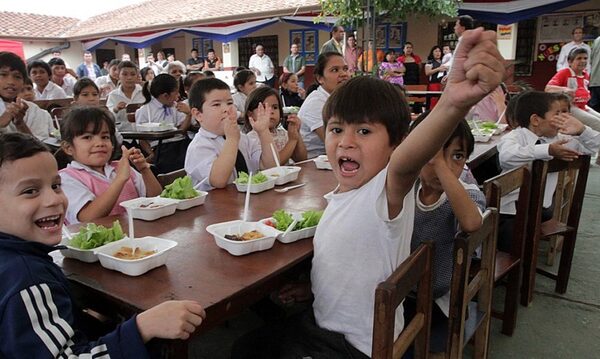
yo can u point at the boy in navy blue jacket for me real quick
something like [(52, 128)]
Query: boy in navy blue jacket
[(36, 309)]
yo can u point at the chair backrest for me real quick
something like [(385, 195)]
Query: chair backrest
[(132, 107), (503, 184), (416, 98), (472, 319), (578, 170), (46, 104), (416, 270), (168, 178), (59, 112)]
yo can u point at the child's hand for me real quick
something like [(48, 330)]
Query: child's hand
[(182, 107), (438, 162), (301, 92), (170, 320), (293, 126), (567, 124), (477, 68), (19, 109), (121, 105), (558, 150), (138, 159), (261, 122), (295, 292), (230, 127), (124, 168)]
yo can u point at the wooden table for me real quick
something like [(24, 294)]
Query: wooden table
[(197, 269)]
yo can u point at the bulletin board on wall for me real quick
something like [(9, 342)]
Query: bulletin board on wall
[(554, 30)]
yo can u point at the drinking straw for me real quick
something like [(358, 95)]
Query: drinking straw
[(275, 156), (247, 201), (130, 223)]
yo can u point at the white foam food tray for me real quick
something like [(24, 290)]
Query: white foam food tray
[(283, 174), (140, 266), (150, 208), (239, 248)]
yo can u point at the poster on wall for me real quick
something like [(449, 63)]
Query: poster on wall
[(380, 37), (557, 28), (395, 40), (297, 39)]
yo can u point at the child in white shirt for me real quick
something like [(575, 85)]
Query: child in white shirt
[(544, 133), (244, 82), (288, 142), (59, 75), (38, 120), (365, 231), (128, 92), (40, 74), (109, 83), (219, 151)]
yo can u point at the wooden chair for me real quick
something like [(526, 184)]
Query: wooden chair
[(509, 264), (543, 231), (469, 319), (562, 205), (416, 269), (132, 107), (168, 178), (59, 112)]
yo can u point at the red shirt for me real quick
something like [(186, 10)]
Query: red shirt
[(582, 94)]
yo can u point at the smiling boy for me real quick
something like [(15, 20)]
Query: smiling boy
[(37, 310), (40, 74), (219, 151)]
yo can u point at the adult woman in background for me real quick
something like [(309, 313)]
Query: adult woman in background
[(435, 72), (391, 70), (412, 63)]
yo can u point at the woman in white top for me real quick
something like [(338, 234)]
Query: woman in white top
[(330, 72)]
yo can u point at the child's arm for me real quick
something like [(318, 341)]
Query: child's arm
[(587, 140), (187, 122), (300, 152), (260, 124), (465, 210), (170, 320), (102, 205), (225, 162), (153, 187), (478, 69)]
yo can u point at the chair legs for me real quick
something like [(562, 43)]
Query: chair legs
[(511, 303), (566, 259), (529, 271)]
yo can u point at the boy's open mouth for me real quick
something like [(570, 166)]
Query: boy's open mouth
[(49, 222), (348, 165)]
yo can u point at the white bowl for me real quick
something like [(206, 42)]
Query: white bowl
[(153, 127), (293, 236), (84, 255), (140, 266), (257, 187), (239, 248), (323, 163), (482, 137), (164, 207), (283, 174), (501, 128), (183, 204)]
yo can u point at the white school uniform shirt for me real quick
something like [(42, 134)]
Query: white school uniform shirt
[(239, 100), (311, 114), (562, 63), (38, 120), (103, 81), (154, 112), (79, 195), (264, 65), (117, 96), (67, 86), (356, 247), (204, 149), (51, 92), (518, 148)]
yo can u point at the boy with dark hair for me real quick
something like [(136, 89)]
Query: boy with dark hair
[(544, 133), (38, 121), (59, 75), (219, 151), (40, 74), (129, 91), (38, 318), (12, 109)]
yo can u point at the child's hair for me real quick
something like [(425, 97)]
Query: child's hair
[(257, 96), (144, 72), (201, 88), (532, 103), (209, 74), (241, 77), (462, 132), (191, 77), (13, 62), (238, 69), (39, 63), (563, 97), (576, 51), (284, 78), (14, 146), (163, 83), (367, 99), (511, 111), (56, 61), (77, 121), (27, 81), (127, 64), (114, 62), (83, 83)]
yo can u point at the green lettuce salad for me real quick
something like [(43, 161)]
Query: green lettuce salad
[(283, 219), (93, 236), (181, 188), (257, 178)]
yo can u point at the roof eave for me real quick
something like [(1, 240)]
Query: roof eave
[(34, 38), (239, 17)]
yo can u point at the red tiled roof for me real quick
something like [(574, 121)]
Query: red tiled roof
[(158, 14), (24, 25)]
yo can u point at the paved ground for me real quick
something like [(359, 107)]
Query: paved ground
[(554, 326)]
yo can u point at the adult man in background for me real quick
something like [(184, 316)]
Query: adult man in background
[(195, 63), (262, 66), (296, 64), (577, 42), (88, 68), (335, 43)]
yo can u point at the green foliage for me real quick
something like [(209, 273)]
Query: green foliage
[(181, 188), (93, 236), (351, 11)]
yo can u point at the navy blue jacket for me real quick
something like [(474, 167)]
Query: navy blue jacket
[(36, 310)]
